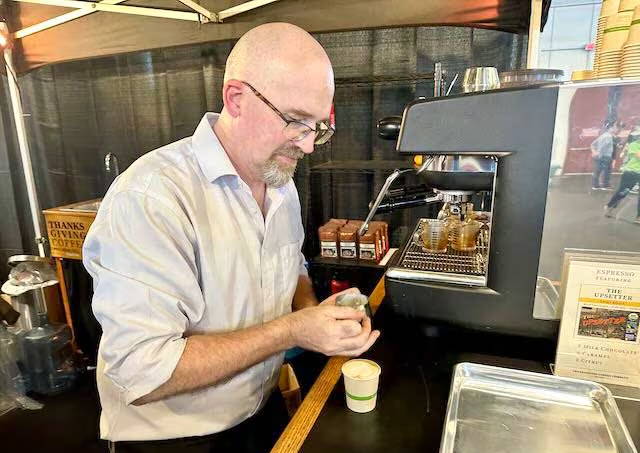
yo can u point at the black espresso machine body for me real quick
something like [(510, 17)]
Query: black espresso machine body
[(515, 128)]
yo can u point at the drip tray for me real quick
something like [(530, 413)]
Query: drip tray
[(452, 266)]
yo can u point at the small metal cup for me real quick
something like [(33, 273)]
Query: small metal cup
[(480, 79), (355, 301)]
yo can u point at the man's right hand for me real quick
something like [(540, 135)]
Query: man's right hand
[(332, 330)]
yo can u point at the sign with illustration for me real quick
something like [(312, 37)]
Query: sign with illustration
[(600, 318)]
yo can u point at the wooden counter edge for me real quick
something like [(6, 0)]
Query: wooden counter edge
[(305, 417)]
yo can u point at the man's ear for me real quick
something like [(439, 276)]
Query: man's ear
[(232, 92)]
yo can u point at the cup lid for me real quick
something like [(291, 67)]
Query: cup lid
[(361, 369)]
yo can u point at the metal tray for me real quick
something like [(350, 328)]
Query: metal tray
[(464, 268), (500, 410)]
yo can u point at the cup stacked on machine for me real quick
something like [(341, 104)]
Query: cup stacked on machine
[(630, 66), (339, 238), (614, 38), (584, 74), (609, 7), (626, 6)]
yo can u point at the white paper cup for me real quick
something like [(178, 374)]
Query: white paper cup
[(361, 379), (634, 33), (616, 30), (627, 5), (609, 7)]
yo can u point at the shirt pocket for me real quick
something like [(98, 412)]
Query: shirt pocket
[(289, 264)]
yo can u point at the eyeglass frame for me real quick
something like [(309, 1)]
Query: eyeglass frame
[(330, 130)]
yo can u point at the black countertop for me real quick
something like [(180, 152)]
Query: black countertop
[(67, 423), (414, 388), (417, 366)]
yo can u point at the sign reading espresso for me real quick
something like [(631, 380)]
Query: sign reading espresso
[(67, 229), (599, 336)]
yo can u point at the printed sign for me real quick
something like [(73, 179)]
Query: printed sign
[(67, 233), (599, 328)]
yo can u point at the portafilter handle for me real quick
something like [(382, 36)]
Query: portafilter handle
[(392, 205), (389, 127), (7, 313)]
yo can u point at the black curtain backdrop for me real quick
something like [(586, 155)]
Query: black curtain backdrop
[(129, 104)]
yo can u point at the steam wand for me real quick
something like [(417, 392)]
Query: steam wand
[(385, 188)]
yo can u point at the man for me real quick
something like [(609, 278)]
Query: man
[(602, 153), (196, 261), (630, 175)]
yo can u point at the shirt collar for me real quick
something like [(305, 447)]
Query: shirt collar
[(212, 157), (215, 162)]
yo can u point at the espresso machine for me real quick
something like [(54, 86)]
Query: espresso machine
[(523, 157)]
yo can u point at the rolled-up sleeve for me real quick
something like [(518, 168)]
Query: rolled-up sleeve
[(141, 255)]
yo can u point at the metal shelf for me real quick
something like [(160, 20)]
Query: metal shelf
[(388, 79), (361, 166), (346, 262)]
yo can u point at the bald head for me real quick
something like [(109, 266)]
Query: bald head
[(276, 55), (278, 87)]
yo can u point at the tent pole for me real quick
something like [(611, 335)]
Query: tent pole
[(243, 8), (533, 44), (123, 9), (205, 15), (23, 144), (59, 20)]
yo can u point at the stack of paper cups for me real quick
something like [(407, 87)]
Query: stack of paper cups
[(630, 65), (609, 7), (361, 384), (615, 36), (584, 74), (627, 5)]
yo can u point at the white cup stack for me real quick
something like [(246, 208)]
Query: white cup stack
[(630, 65), (609, 7), (614, 38), (627, 5)]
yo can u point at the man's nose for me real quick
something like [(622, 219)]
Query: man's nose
[(306, 144)]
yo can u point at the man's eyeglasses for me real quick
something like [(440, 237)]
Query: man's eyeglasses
[(296, 130)]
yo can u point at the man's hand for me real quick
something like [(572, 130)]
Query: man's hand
[(332, 330)]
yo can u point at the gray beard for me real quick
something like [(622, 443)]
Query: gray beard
[(275, 174)]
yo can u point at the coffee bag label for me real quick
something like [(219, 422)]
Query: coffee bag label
[(348, 250), (328, 249), (367, 251)]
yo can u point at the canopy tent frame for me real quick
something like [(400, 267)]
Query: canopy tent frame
[(25, 155), (197, 14), (200, 14), (84, 8), (535, 29)]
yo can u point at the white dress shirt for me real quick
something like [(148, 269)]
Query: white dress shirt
[(180, 246)]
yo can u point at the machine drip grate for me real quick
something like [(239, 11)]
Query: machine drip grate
[(415, 257)]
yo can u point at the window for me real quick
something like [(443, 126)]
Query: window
[(570, 29)]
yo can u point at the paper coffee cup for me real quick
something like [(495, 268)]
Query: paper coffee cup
[(361, 378)]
